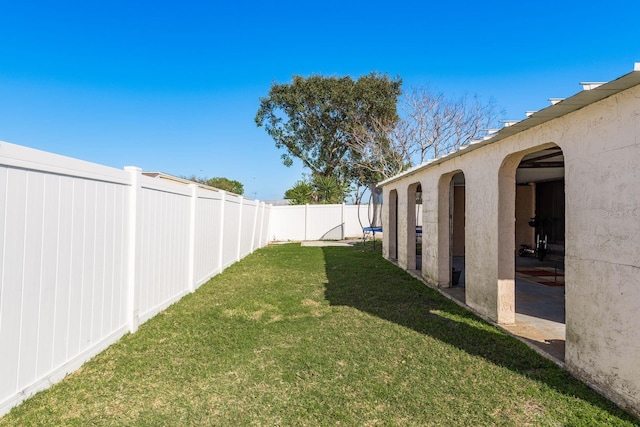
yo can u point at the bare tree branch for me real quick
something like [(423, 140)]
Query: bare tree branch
[(433, 124)]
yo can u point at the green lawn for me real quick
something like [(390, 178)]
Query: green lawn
[(317, 336)]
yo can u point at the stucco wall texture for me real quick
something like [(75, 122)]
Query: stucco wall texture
[(601, 147)]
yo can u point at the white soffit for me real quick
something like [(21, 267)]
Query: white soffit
[(594, 93)]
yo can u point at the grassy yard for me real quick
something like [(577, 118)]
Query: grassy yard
[(317, 336)]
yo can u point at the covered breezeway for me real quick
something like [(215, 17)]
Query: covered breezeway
[(536, 285), (570, 169)]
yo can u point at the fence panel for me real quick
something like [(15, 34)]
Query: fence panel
[(62, 266), (288, 223), (257, 231), (356, 217), (266, 225), (90, 251), (317, 222), (208, 235), (249, 209), (232, 222), (324, 222), (164, 241), (14, 213)]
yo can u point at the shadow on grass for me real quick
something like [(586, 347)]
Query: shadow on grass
[(359, 277)]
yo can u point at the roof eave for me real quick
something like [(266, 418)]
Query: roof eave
[(590, 95)]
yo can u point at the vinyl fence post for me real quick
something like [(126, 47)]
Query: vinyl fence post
[(342, 225), (306, 220), (268, 236), (134, 219), (239, 235), (262, 209), (192, 237), (223, 201), (255, 223)]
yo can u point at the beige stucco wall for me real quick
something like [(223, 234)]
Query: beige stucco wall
[(601, 147)]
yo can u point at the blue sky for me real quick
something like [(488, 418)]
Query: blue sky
[(174, 86)]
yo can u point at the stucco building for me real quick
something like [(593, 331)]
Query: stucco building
[(575, 164)]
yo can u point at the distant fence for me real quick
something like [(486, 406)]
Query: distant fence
[(318, 222), (322, 222), (90, 252)]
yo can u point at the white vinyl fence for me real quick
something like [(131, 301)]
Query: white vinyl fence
[(318, 222), (89, 252), (322, 222)]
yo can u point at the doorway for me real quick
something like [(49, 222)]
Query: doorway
[(531, 254)]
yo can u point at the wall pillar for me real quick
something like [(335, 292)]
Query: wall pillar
[(411, 226), (389, 226), (506, 225), (401, 230), (444, 231), (482, 231)]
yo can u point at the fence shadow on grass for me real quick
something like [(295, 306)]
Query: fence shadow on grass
[(359, 277)]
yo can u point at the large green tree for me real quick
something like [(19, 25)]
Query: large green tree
[(317, 189), (226, 184), (318, 120), (301, 193)]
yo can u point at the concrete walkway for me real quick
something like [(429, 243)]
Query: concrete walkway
[(321, 243)]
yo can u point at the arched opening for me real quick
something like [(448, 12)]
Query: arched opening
[(451, 235), (414, 227), (393, 225), (531, 245)]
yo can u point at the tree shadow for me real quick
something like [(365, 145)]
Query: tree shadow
[(359, 277), (334, 233)]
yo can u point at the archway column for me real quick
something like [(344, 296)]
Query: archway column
[(444, 232), (506, 221), (402, 227), (430, 255), (484, 292), (389, 224)]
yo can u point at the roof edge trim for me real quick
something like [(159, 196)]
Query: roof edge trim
[(552, 112)]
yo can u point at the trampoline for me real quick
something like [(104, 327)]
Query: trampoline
[(374, 215)]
